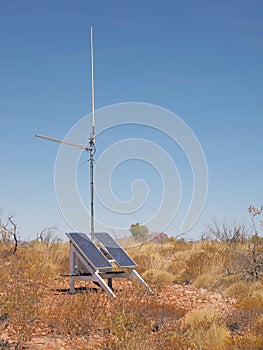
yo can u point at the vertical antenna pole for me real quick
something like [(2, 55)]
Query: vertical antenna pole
[(92, 141), (92, 79)]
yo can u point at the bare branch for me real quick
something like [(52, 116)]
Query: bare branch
[(226, 233), (46, 234), (10, 219), (253, 211)]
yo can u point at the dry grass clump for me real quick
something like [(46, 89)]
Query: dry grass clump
[(140, 323), (205, 280), (153, 264), (169, 256), (247, 342), (127, 325), (206, 264), (77, 316), (205, 258), (201, 265), (248, 315), (176, 266), (170, 247), (38, 262), (21, 303), (142, 261), (44, 260), (158, 279), (233, 269), (24, 278), (206, 329), (251, 309), (239, 290)]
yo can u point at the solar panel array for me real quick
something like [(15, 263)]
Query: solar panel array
[(91, 253), (92, 262), (116, 252)]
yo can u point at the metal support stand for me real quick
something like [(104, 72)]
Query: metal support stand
[(82, 270), (79, 263), (110, 283), (134, 274)]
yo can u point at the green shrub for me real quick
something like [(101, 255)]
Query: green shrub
[(139, 232)]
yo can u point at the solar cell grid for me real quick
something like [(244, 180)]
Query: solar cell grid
[(117, 253), (89, 249)]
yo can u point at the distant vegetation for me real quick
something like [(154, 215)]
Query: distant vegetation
[(139, 232), (34, 298)]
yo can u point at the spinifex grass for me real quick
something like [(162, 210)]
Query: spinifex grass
[(34, 299)]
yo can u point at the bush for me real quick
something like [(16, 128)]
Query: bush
[(158, 278), (239, 290), (139, 232), (206, 329), (248, 342)]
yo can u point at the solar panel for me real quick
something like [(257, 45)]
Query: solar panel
[(115, 251), (91, 253)]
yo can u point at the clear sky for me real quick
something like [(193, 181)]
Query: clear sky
[(202, 60)]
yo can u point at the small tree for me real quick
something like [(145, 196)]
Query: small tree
[(47, 234), (8, 232), (236, 233), (139, 232)]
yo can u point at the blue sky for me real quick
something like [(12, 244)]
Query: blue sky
[(203, 60)]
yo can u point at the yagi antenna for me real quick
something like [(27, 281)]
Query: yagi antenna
[(91, 146), (87, 148)]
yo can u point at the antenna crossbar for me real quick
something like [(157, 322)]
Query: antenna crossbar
[(87, 148)]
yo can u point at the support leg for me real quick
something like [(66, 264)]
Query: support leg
[(134, 274), (104, 285), (110, 283), (72, 285), (72, 263)]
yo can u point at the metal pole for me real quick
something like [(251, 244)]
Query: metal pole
[(91, 142), (91, 195), (92, 81)]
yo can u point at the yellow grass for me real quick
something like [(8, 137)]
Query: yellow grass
[(34, 300)]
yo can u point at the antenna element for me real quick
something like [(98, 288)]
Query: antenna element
[(87, 148), (92, 81)]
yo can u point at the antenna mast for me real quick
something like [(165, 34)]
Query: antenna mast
[(92, 141), (92, 82)]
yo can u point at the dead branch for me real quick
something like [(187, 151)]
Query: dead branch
[(10, 219), (46, 234), (229, 234)]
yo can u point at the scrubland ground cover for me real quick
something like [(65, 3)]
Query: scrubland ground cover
[(208, 295)]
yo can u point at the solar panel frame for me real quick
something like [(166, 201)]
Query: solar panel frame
[(113, 248), (89, 251)]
